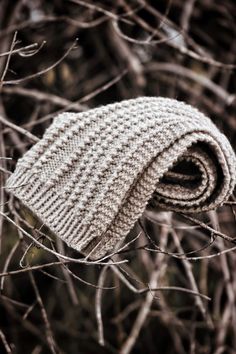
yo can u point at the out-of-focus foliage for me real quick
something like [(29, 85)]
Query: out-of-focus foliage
[(124, 49)]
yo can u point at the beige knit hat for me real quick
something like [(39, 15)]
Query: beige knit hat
[(92, 174)]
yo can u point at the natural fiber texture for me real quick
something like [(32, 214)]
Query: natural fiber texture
[(92, 174)]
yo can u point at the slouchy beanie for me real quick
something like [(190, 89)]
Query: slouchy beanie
[(93, 173)]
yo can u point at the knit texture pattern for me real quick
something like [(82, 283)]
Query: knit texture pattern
[(93, 173)]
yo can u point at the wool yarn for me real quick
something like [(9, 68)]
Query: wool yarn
[(93, 173)]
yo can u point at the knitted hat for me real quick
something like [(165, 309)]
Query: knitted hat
[(92, 174)]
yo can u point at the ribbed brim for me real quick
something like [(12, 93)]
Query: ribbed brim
[(52, 210)]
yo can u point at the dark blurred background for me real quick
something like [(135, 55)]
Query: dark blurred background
[(73, 55)]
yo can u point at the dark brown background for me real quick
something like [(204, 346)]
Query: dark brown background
[(180, 49)]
